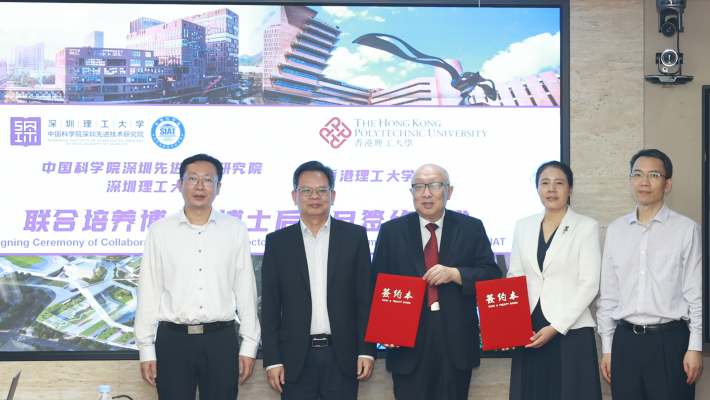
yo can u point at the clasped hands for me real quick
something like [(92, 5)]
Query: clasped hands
[(437, 275)]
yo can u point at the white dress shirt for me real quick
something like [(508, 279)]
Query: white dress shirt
[(194, 274), (426, 235), (651, 275), (317, 259)]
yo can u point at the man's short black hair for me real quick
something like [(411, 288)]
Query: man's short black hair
[(201, 157), (667, 164), (555, 164), (314, 166)]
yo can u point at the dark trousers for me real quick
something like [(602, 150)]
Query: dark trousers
[(321, 378), (434, 376), (650, 366), (209, 360)]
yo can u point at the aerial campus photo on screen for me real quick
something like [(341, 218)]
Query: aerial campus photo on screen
[(68, 302), (278, 55), (72, 303)]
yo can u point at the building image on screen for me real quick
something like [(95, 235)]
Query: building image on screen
[(98, 113)]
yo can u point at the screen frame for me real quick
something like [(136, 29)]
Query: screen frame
[(563, 5), (705, 90)]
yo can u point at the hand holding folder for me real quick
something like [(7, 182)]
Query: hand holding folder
[(504, 312), (396, 308)]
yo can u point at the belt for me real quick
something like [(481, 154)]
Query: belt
[(643, 329), (435, 306), (197, 329), (321, 340)]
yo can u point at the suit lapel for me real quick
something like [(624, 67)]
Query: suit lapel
[(336, 238), (299, 252), (532, 245), (414, 242), (449, 234), (563, 232)]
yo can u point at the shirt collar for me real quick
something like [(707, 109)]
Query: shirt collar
[(183, 217), (661, 216), (324, 228), (423, 222)]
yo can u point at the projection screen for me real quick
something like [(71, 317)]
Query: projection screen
[(101, 102)]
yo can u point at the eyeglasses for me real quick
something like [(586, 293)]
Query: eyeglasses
[(654, 176), (192, 181), (307, 192), (434, 187)]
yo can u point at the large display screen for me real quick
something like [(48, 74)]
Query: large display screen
[(101, 103)]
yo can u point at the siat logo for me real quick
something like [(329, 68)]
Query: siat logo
[(168, 133), (335, 132), (167, 130), (25, 131)]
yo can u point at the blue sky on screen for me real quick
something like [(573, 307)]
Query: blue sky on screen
[(502, 43)]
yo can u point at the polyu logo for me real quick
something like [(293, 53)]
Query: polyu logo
[(335, 132)]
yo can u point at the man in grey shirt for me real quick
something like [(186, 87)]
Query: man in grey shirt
[(650, 308)]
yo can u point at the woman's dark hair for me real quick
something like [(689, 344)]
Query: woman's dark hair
[(314, 166), (201, 157), (667, 164), (555, 164)]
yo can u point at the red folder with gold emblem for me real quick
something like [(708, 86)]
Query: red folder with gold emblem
[(396, 308), (504, 313)]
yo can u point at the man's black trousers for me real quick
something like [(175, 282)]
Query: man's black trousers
[(650, 366), (208, 360)]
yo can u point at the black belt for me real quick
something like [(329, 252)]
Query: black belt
[(643, 329), (197, 329), (321, 340)]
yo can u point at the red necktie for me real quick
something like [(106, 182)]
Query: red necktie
[(431, 258)]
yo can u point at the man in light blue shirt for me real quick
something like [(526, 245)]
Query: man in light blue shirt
[(650, 308)]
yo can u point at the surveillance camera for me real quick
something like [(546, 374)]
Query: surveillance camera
[(669, 62), (669, 58), (670, 27), (670, 23), (670, 16)]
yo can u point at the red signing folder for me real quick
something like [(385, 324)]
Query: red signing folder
[(396, 308), (504, 313)]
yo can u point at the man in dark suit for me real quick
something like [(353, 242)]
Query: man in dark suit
[(316, 297), (452, 252)]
